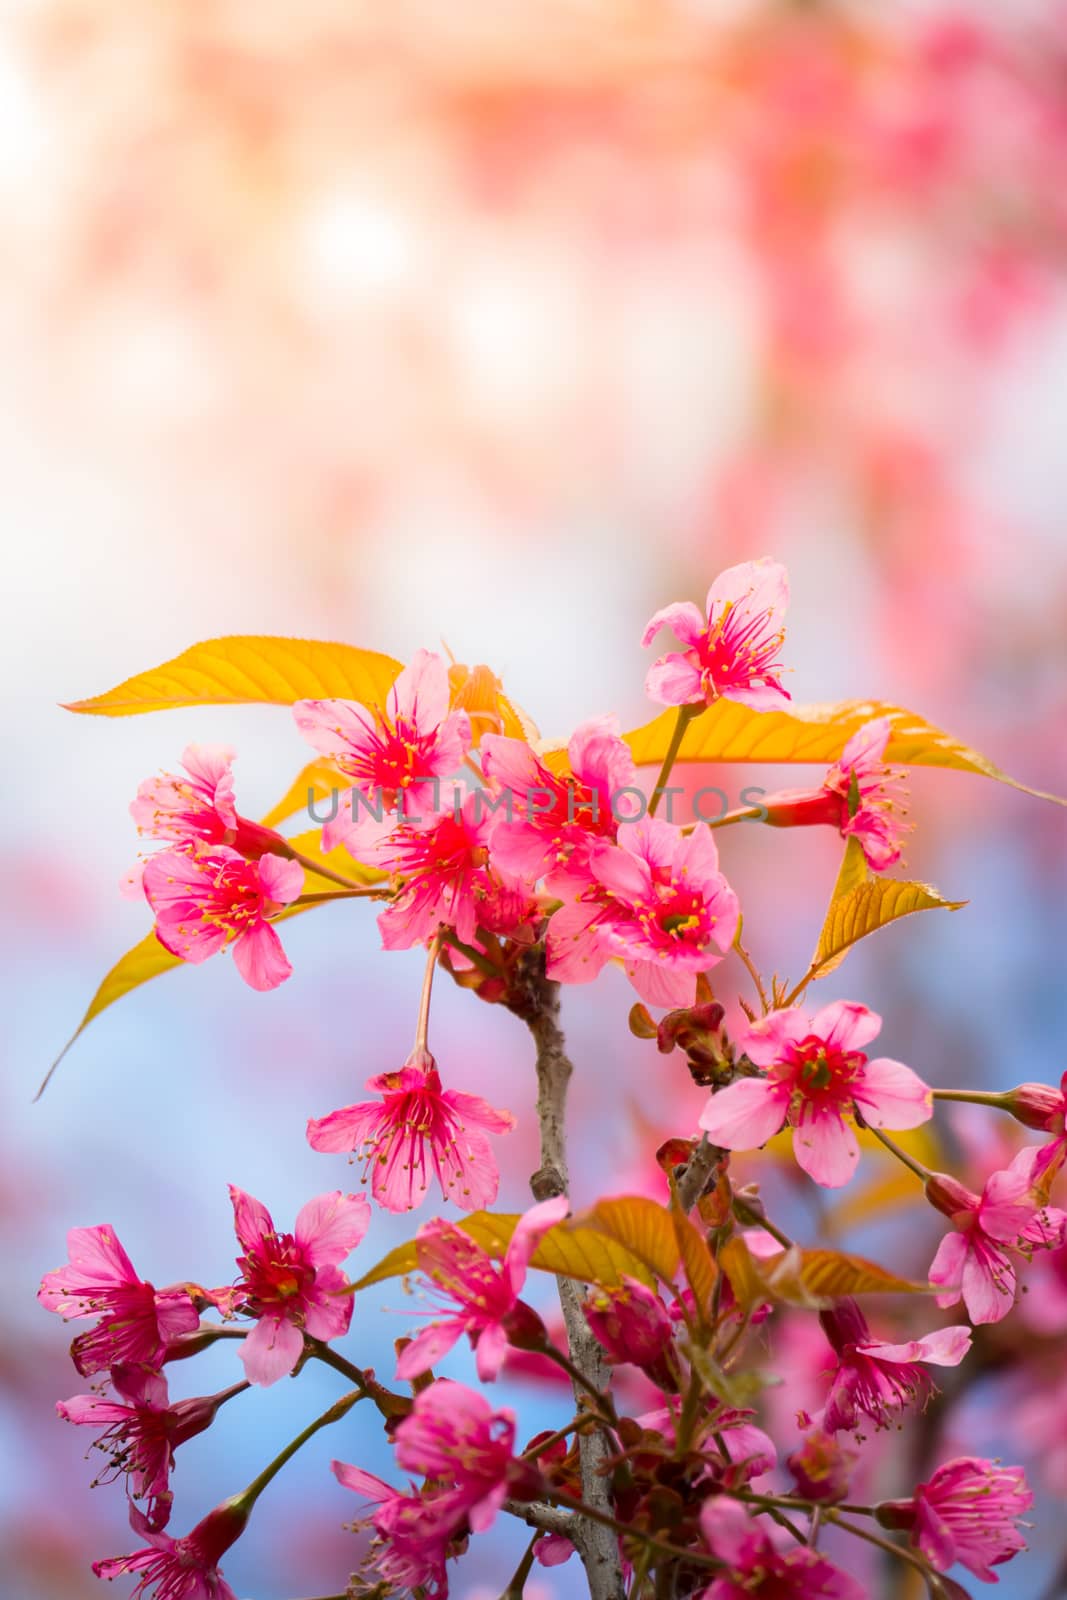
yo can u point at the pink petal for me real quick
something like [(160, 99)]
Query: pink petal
[(330, 1226), (751, 587), (660, 984), (421, 692), (846, 1025), (757, 696), (282, 880), (892, 1095), (334, 727), (946, 1269), (945, 1347), (764, 1041), (251, 1219), (745, 1114), (427, 1349), (511, 764), (260, 959), (346, 1129), (360, 1482), (682, 617), (91, 1409), (674, 681), (988, 1285), (271, 1351), (479, 1112), (826, 1148), (490, 1352), (866, 748), (327, 1310), (530, 1230)]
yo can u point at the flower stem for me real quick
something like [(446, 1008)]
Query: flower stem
[(323, 871), (339, 1409), (976, 1097), (887, 1545), (422, 1027), (921, 1172), (685, 717), (750, 967)]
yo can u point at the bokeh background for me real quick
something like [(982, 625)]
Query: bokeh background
[(502, 324)]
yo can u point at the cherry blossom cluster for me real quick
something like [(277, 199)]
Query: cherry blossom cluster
[(670, 1470)]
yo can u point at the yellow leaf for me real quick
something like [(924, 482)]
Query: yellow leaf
[(643, 1227), (731, 732), (742, 1271), (320, 777), (571, 1249), (866, 908), (853, 869), (808, 1278), (250, 668), (829, 1274), (697, 1260)]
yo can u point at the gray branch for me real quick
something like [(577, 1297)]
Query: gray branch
[(538, 1005)]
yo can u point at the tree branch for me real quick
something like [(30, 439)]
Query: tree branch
[(536, 1000)]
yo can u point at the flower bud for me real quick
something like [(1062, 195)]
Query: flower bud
[(948, 1195), (631, 1323), (1037, 1105), (524, 1327), (822, 1467)]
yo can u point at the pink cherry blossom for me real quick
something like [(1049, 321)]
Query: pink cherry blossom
[(142, 1430), (549, 818), (136, 1321), (733, 654), (631, 1322), (443, 861), (656, 901), (206, 900), (756, 1565), (180, 1569), (966, 1513), (291, 1282), (454, 1433), (860, 797), (877, 1380), (197, 810), (822, 1465), (412, 1531), (816, 1075), (481, 1293), (415, 1132), (973, 1261), (392, 752)]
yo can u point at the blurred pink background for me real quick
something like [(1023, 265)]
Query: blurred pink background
[(501, 325)]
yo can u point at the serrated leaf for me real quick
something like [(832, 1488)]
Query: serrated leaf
[(862, 910), (731, 732), (250, 668), (572, 1249)]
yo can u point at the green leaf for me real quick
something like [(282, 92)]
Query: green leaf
[(731, 732), (250, 668)]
